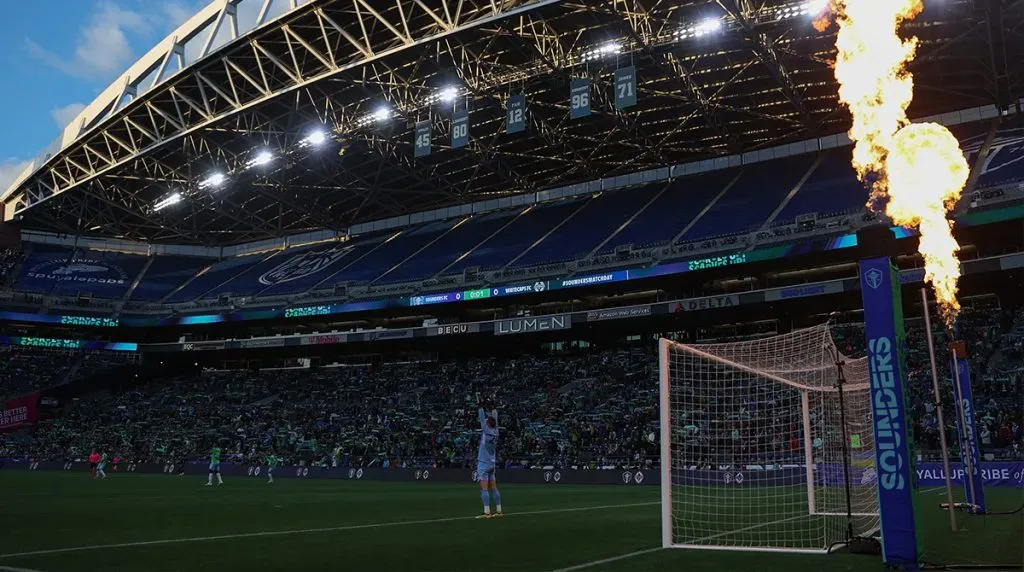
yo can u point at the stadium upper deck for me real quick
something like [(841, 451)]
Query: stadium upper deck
[(260, 119), (761, 202)]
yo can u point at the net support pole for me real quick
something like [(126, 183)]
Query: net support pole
[(805, 404), (665, 423), (938, 408)]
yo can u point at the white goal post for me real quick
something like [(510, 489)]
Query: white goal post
[(760, 450)]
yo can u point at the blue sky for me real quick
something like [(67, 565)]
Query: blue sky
[(57, 55)]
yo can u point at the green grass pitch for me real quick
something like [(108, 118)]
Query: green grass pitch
[(67, 522)]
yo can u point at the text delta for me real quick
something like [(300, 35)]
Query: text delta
[(886, 414)]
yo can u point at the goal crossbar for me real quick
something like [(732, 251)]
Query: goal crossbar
[(769, 374)]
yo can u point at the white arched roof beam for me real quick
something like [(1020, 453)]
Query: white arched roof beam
[(194, 40)]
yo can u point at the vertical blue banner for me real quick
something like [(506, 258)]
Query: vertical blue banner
[(883, 327), (625, 87), (515, 114), (579, 98), (421, 144), (970, 456), (460, 128)]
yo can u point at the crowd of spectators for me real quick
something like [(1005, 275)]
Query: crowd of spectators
[(592, 409), (24, 370)]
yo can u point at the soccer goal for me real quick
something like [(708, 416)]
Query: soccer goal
[(760, 450)]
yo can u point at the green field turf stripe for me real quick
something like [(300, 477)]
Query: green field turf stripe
[(14, 569), (313, 530), (593, 563)]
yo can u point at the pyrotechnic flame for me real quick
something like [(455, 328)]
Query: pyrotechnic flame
[(916, 171)]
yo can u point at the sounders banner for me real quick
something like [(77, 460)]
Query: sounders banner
[(968, 435), (883, 327), (20, 411)]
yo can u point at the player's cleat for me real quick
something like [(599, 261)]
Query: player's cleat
[(499, 514), (208, 485)]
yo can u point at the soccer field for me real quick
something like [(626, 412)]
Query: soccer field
[(68, 522)]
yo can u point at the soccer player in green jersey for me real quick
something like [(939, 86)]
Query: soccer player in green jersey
[(99, 467), (271, 465), (214, 467)]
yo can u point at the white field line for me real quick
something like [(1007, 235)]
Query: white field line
[(308, 530), (593, 563)]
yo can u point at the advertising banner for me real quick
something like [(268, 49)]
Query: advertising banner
[(532, 325), (967, 432), (619, 313), (883, 328), (705, 303), (993, 474), (20, 411)]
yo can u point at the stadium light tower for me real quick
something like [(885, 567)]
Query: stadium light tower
[(381, 114)]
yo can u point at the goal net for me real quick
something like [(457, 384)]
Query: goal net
[(753, 444)]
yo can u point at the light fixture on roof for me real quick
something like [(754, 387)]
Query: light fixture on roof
[(381, 114), (604, 50), (812, 8), (172, 199), (316, 137), (709, 26), (261, 158), (704, 28), (214, 180), (448, 94)]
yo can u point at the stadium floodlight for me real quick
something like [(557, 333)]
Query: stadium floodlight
[(812, 8), (709, 26), (381, 114), (261, 158), (815, 7), (448, 94), (172, 199), (704, 28), (604, 50), (214, 180), (315, 138)]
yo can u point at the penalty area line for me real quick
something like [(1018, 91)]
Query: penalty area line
[(308, 530), (608, 560)]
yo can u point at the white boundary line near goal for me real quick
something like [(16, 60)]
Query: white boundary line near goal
[(593, 563), (750, 548), (309, 530)]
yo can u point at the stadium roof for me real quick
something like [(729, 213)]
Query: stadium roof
[(245, 77)]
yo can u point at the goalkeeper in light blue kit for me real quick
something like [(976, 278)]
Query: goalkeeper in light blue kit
[(486, 459), (214, 467)]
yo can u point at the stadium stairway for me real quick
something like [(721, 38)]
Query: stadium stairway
[(629, 221), (419, 250), (979, 164), (135, 283), (545, 235), (186, 283), (792, 193), (473, 248), (329, 281), (706, 208)]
